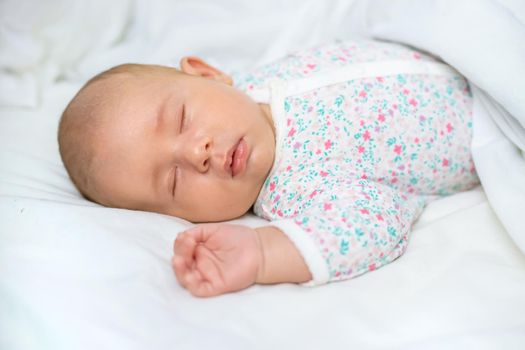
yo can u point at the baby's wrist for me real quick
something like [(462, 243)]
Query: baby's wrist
[(280, 261), (261, 257)]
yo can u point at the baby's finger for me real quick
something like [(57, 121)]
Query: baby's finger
[(185, 247), (208, 265), (198, 286), (202, 232), (180, 269), (192, 280)]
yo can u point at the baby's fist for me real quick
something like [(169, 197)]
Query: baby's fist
[(213, 259)]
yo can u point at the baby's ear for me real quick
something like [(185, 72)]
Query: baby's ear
[(195, 66)]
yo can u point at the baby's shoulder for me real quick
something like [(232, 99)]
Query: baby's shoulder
[(308, 62)]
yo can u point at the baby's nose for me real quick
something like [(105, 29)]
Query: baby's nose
[(199, 154)]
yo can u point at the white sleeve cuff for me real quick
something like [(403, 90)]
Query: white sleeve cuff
[(310, 252)]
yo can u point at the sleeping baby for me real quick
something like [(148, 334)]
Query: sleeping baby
[(339, 147)]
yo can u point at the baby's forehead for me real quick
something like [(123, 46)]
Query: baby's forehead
[(139, 78), (105, 92), (125, 94)]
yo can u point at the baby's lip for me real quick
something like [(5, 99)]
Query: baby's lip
[(228, 159), (235, 159)]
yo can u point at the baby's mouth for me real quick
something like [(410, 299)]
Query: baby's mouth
[(236, 158)]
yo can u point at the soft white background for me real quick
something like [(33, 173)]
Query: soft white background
[(74, 275)]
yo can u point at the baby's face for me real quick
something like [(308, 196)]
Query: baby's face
[(182, 145)]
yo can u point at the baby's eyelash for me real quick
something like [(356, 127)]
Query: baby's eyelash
[(183, 116), (174, 183)]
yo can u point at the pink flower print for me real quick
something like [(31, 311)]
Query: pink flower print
[(371, 267), (250, 87), (327, 206), (276, 199), (362, 93), (291, 132), (445, 162), (272, 186), (449, 128), (288, 122), (297, 145), (280, 213), (379, 217), (366, 135), (318, 151), (397, 149), (381, 118), (364, 177), (380, 79), (365, 211), (288, 168), (312, 195), (406, 91), (360, 149), (416, 55), (310, 66), (413, 102), (416, 140), (327, 144), (323, 173)]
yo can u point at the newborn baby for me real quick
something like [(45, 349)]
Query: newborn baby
[(340, 147)]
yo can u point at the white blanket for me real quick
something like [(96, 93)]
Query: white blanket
[(75, 275), (485, 41)]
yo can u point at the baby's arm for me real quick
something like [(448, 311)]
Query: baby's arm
[(214, 259), (337, 238), (282, 262)]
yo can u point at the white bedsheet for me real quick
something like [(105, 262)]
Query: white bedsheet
[(75, 275)]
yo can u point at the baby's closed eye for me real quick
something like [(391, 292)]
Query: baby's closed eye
[(174, 180)]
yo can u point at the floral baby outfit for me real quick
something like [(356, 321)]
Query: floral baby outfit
[(367, 133)]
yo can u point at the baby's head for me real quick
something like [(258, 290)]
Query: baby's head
[(178, 142)]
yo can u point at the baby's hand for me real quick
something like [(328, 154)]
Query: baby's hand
[(213, 259)]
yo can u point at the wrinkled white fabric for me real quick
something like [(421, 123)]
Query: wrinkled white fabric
[(485, 41)]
